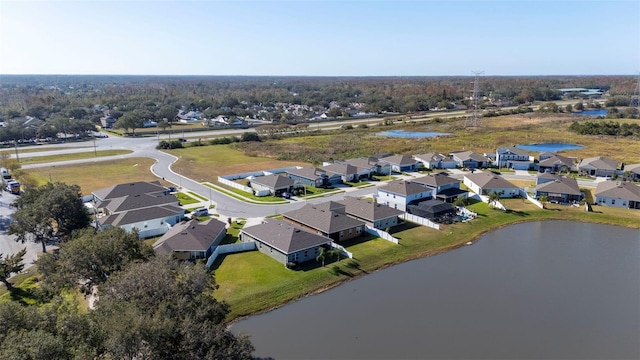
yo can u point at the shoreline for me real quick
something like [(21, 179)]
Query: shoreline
[(420, 255)]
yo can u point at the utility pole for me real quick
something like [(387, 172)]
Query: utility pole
[(15, 143), (474, 114)]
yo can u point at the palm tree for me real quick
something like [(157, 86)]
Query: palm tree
[(494, 197), (320, 256)]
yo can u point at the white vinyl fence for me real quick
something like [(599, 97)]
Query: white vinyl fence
[(230, 248), (420, 220), (535, 202), (235, 185), (382, 234), (344, 251)]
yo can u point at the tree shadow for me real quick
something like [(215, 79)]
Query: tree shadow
[(354, 265), (336, 270), (516, 212)]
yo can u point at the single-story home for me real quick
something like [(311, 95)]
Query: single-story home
[(191, 240), (400, 193), (310, 176), (558, 189), (556, 163), (435, 161), (273, 183), (328, 219), (400, 163), (145, 206), (470, 159), (347, 172), (373, 214), (367, 167), (632, 171), (284, 241), (619, 194), (598, 166), (483, 183), (433, 209)]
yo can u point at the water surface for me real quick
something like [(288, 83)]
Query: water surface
[(411, 134), (543, 290), (549, 147)]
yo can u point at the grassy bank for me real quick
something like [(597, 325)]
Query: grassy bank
[(253, 282)]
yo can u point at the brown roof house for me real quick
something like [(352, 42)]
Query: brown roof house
[(619, 194), (191, 240), (284, 241), (444, 186), (373, 214), (470, 159), (558, 189), (550, 162), (327, 219), (598, 166), (147, 207), (483, 183)]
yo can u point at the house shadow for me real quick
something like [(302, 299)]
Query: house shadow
[(516, 212)]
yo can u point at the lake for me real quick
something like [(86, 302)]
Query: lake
[(411, 134), (549, 147), (593, 112), (554, 289)]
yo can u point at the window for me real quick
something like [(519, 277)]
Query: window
[(350, 231), (306, 253), (358, 229), (341, 233), (613, 202)]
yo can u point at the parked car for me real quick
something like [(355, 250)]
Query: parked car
[(200, 212)]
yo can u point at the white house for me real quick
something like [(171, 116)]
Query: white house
[(619, 194), (435, 161), (513, 158), (400, 193)]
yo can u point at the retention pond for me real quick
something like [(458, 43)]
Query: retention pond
[(542, 290)]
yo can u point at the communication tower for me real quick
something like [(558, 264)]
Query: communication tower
[(474, 111)]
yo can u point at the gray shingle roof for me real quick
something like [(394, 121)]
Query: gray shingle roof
[(404, 188), (326, 217), (311, 172), (513, 150), (561, 185), (190, 236), (134, 216), (634, 168), (285, 236), (138, 201), (134, 188), (435, 180), (470, 155), (557, 160), (599, 162), (398, 160), (368, 210), (341, 169), (274, 181), (490, 181), (618, 190)]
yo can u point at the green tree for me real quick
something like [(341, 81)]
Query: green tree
[(163, 125), (164, 309), (494, 197), (48, 209), (335, 253), (568, 108), (11, 264), (129, 121), (579, 106), (91, 257)]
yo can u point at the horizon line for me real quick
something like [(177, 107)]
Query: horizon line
[(316, 76)]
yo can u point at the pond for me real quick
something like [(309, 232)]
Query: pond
[(553, 289), (549, 147), (412, 134), (594, 112)]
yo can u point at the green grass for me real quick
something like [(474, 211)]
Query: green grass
[(246, 197), (253, 282), (202, 198), (25, 160), (24, 285), (12, 151), (186, 199)]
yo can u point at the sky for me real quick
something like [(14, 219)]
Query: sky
[(320, 38)]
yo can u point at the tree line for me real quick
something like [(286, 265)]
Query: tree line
[(612, 128)]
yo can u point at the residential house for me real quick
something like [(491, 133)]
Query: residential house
[(400, 193), (145, 206), (558, 189), (284, 241), (513, 158), (312, 176), (556, 163), (483, 183), (598, 166), (470, 159), (347, 173), (327, 219), (373, 214), (108, 122), (444, 186), (632, 171), (191, 240), (435, 161), (400, 163), (368, 167), (272, 184), (434, 209), (619, 194)]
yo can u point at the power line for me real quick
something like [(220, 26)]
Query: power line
[(474, 112)]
